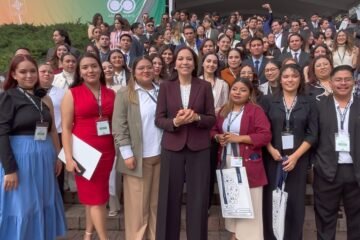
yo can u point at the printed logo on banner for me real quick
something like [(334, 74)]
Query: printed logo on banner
[(125, 6)]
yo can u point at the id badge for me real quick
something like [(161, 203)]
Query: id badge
[(41, 131), (287, 140), (102, 127), (236, 161), (342, 142)]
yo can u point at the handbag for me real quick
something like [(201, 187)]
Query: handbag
[(234, 190), (279, 202)]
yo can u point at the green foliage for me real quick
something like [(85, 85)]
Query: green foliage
[(37, 38)]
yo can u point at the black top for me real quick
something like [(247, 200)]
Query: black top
[(18, 116), (316, 91), (303, 120)]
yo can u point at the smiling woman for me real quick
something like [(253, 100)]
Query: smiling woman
[(29, 146), (293, 121), (86, 112), (185, 111)]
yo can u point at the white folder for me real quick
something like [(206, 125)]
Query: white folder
[(85, 154)]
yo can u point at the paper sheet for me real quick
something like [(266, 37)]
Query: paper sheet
[(85, 154)]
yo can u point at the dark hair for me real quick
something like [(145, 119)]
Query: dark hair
[(126, 35), (318, 34), (23, 48), (194, 72), (256, 39), (217, 71), (78, 80), (297, 69), (165, 47), (124, 66), (10, 82), (67, 54), (95, 17), (134, 26), (95, 49), (54, 61), (228, 107), (295, 34), (312, 75), (341, 68), (156, 55), (188, 27), (328, 52), (65, 35)]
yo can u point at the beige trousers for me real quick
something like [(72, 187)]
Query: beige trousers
[(141, 201)]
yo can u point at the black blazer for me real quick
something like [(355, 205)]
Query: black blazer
[(304, 58), (261, 74), (303, 120), (325, 156)]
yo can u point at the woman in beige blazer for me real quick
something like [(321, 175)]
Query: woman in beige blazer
[(138, 141)]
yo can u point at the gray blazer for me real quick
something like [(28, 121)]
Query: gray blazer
[(127, 130)]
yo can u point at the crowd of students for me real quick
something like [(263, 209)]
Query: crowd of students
[(169, 104)]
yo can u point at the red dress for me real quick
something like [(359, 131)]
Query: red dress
[(96, 190)]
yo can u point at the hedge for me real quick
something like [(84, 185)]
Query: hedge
[(37, 38)]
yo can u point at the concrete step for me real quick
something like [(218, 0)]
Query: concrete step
[(75, 215)]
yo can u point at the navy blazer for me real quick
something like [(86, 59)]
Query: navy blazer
[(261, 74), (304, 58), (325, 156), (196, 135)]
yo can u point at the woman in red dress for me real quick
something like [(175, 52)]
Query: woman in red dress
[(87, 105)]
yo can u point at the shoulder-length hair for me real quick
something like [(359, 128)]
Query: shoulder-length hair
[(312, 75), (78, 80), (131, 85), (54, 61), (296, 68), (10, 81), (195, 58), (217, 72), (124, 66), (349, 43), (228, 107)]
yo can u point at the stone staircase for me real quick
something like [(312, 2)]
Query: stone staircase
[(75, 215)]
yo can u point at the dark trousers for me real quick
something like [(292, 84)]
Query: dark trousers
[(327, 197), (213, 164), (196, 164), (295, 186)]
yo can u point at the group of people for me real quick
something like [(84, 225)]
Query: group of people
[(170, 106)]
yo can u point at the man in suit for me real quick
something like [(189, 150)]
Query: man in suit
[(281, 36), (138, 39), (125, 48), (190, 40), (337, 157), (257, 59), (210, 31), (104, 50), (295, 42), (314, 22)]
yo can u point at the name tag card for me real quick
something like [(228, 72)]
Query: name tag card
[(287, 140), (102, 127), (236, 161), (342, 142), (41, 131)]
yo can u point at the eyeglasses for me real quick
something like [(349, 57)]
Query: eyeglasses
[(345, 80), (150, 25), (141, 69), (271, 69)]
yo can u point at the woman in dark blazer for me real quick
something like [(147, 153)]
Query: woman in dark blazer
[(245, 124), (291, 140), (185, 111)]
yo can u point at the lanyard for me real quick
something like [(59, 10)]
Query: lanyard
[(232, 73), (98, 100), (288, 112), (343, 115), (343, 56), (40, 109), (154, 99), (232, 120)]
